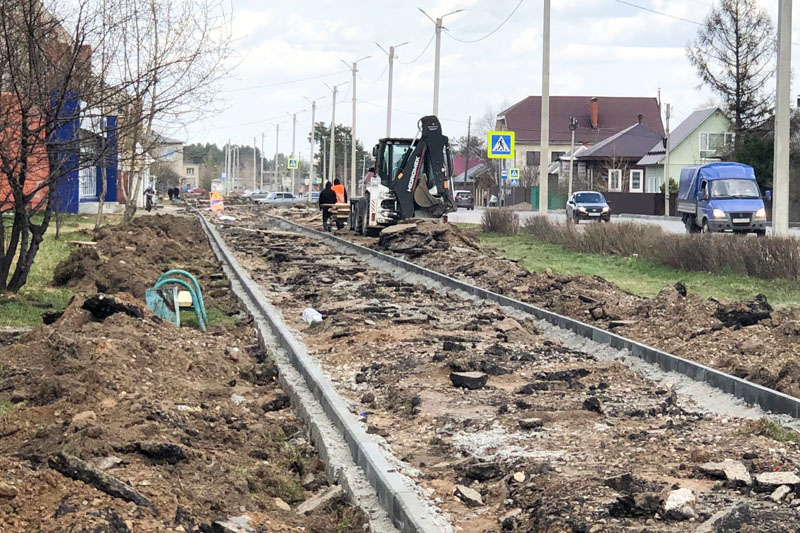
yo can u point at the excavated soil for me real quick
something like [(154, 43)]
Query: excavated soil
[(130, 424), (543, 437), (747, 339)]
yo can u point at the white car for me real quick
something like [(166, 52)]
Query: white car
[(278, 198)]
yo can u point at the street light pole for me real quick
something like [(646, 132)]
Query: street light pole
[(294, 129), (312, 142), (391, 56), (277, 137), (573, 125), (254, 162), (438, 24), (780, 197), (666, 165), (332, 151), (354, 70), (261, 179), (544, 155)]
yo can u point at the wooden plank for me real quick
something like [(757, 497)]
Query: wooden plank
[(81, 243)]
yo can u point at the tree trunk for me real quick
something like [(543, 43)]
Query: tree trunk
[(102, 199)]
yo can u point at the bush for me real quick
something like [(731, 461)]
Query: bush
[(502, 221), (764, 257)]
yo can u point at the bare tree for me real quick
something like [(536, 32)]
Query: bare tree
[(734, 54), (46, 84), (173, 55)]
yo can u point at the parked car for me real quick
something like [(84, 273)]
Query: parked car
[(277, 198), (314, 197), (465, 199), (721, 197), (588, 205), (197, 190)]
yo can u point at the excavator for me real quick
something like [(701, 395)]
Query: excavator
[(412, 179)]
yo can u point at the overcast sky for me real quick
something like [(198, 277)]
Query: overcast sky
[(598, 48)]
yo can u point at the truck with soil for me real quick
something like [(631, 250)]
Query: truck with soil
[(412, 179), (721, 197)]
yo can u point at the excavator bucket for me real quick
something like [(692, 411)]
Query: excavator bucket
[(423, 177)]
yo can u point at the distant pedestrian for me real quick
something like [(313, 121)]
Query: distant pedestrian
[(149, 195), (326, 198), (171, 193)]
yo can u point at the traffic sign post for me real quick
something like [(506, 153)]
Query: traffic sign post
[(513, 175), (500, 144), (292, 163)]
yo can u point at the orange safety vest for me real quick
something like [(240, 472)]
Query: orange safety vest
[(339, 190)]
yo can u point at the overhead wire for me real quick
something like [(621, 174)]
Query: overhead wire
[(421, 53), (376, 80), (491, 32), (288, 82)]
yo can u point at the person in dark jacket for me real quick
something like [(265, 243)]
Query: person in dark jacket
[(326, 198)]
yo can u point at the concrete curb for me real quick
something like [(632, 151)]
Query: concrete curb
[(395, 491), (767, 399)]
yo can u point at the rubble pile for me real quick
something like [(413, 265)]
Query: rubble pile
[(112, 420), (502, 428)]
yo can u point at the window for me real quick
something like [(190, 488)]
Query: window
[(711, 142), (189, 171), (637, 177), (532, 158), (554, 156), (615, 180)]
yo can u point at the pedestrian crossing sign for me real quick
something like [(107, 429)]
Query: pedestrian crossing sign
[(500, 145), (513, 174), (291, 163)]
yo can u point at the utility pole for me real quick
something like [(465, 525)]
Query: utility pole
[(323, 163), (391, 56), (573, 125), (544, 155), (332, 150), (312, 143), (261, 179), (294, 129), (780, 196), (666, 164), (466, 154), (277, 137), (344, 162), (354, 70), (438, 23)]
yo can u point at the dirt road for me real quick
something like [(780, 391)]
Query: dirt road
[(506, 428)]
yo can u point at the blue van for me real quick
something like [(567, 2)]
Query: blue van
[(721, 197)]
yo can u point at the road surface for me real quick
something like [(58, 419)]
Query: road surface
[(668, 225)]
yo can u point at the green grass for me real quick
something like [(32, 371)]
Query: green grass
[(773, 430), (215, 318), (638, 276), (37, 297), (5, 408)]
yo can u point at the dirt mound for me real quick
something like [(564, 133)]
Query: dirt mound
[(114, 420), (522, 206), (419, 237)]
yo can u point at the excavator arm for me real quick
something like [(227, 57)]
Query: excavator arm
[(423, 175)]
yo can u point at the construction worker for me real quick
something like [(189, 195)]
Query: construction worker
[(341, 194), (149, 196), (326, 198)]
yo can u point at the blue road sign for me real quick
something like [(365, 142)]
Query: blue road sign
[(513, 173), (223, 177), (514, 182), (500, 144), (504, 174)]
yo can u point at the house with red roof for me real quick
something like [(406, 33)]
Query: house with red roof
[(599, 118)]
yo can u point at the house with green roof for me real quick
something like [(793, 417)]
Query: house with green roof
[(695, 141)]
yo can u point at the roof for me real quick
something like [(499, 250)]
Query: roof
[(615, 113), (632, 142), (555, 165), (162, 139), (678, 135), (459, 162)]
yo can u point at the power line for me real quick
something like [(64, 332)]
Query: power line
[(421, 53), (658, 12), (415, 113), (289, 82), (376, 80), (491, 32)]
